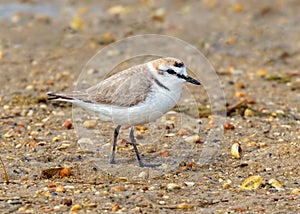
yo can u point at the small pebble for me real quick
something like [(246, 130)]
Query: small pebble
[(173, 186), (115, 207), (159, 14), (240, 94), (184, 206), (76, 207), (65, 172), (60, 189), (248, 113), (55, 139), (189, 184), (237, 72), (227, 184), (66, 201), (236, 150), (182, 132), (14, 202), (18, 146), (240, 85), (228, 126), (77, 23), (276, 184), (295, 191), (238, 7), (118, 188), (143, 175), (90, 124), (64, 146), (52, 185), (68, 124), (162, 202), (193, 139), (252, 182), (262, 72)]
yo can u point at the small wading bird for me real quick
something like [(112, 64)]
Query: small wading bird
[(137, 95)]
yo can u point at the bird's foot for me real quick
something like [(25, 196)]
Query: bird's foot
[(112, 161)]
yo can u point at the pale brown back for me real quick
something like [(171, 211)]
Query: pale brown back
[(126, 88)]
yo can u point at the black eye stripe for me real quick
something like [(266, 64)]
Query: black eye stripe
[(172, 72)]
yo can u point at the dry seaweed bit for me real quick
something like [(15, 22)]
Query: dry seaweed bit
[(5, 173)]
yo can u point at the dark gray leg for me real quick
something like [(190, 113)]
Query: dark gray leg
[(116, 133), (135, 147)]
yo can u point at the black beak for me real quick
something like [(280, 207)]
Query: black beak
[(192, 80)]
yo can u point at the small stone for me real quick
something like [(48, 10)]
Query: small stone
[(238, 7), (64, 146), (118, 10), (252, 182), (50, 172), (77, 23), (69, 187), (240, 86), (236, 150), (227, 184), (107, 38), (189, 183), (237, 72), (276, 184), (249, 101), (55, 139), (142, 129), (30, 113), (193, 139), (34, 133), (228, 126), (90, 124), (18, 146), (115, 207), (118, 189), (262, 72), (14, 202), (159, 14), (52, 185), (184, 206), (65, 172), (262, 144), (182, 132), (143, 175), (240, 94), (295, 191), (66, 201), (162, 202), (90, 205), (252, 144), (9, 134), (60, 189), (173, 186), (68, 124), (76, 207), (58, 207), (248, 113), (170, 135), (29, 87)]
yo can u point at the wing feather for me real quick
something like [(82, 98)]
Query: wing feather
[(126, 88)]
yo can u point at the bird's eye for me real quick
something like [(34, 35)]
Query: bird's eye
[(178, 64), (171, 71)]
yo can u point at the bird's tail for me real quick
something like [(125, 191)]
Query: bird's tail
[(60, 97)]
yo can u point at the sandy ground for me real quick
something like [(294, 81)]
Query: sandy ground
[(253, 47)]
